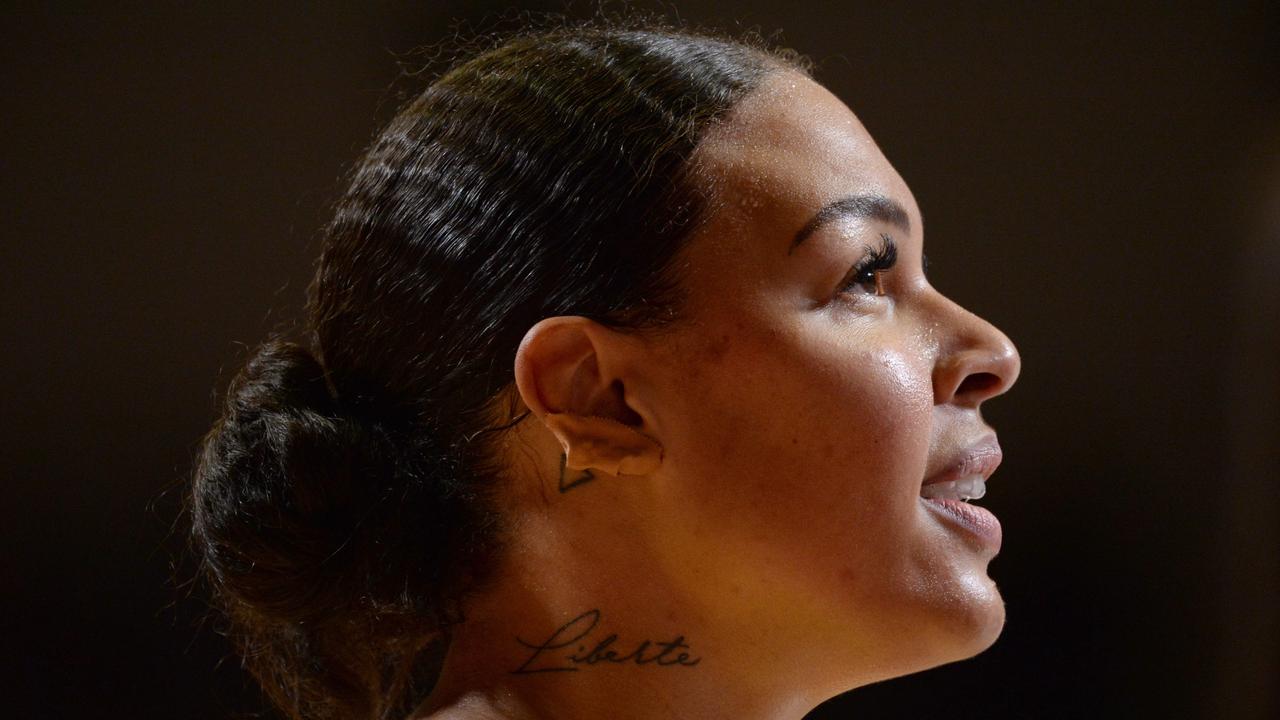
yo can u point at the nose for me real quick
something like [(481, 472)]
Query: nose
[(975, 360)]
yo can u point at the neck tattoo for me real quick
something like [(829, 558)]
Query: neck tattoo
[(571, 648)]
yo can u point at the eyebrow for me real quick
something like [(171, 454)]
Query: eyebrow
[(876, 207)]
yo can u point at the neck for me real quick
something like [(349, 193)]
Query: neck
[(590, 636)]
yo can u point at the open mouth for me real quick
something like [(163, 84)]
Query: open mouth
[(966, 488), (965, 477)]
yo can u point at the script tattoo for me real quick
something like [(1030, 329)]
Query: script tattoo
[(570, 478), (579, 650)]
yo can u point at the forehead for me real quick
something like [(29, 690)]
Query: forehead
[(784, 152)]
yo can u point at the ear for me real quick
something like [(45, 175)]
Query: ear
[(571, 373)]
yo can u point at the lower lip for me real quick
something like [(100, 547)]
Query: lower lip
[(978, 521)]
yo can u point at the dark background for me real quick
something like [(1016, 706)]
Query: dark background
[(1103, 183)]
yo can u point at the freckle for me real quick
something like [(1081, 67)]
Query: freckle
[(795, 441), (717, 349)]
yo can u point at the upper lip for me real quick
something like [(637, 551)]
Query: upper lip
[(981, 458)]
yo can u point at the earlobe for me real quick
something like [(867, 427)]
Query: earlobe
[(570, 372), (600, 443)]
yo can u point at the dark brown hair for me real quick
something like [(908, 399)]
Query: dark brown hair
[(339, 505)]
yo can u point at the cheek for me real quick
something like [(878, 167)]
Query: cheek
[(786, 440)]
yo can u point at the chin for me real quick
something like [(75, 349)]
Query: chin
[(975, 628), (958, 625), (954, 637), (965, 626)]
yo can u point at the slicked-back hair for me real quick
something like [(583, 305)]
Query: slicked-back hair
[(342, 505)]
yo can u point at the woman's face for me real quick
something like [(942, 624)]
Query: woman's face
[(802, 409)]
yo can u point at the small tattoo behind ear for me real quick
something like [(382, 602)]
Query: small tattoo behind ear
[(570, 478)]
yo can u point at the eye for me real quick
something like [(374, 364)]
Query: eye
[(865, 276)]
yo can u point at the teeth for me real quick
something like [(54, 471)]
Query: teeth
[(968, 488)]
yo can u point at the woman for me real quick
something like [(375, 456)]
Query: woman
[(626, 396)]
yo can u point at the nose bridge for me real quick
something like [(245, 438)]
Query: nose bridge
[(975, 360)]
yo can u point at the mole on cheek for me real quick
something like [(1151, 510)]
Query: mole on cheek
[(717, 349)]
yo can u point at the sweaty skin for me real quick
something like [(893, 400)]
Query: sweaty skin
[(756, 467)]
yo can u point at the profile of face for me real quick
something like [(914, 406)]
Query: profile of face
[(811, 397), (813, 385)]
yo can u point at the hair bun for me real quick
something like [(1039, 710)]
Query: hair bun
[(282, 484), (281, 376)]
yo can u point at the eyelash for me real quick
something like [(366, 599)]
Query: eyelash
[(867, 270)]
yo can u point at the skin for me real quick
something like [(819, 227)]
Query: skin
[(746, 481)]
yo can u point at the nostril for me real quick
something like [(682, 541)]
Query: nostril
[(981, 384)]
